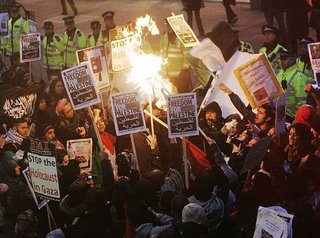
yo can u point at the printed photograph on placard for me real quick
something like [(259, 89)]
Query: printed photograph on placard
[(81, 150), (314, 55)]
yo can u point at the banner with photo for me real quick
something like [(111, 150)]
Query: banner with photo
[(4, 30), (314, 55), (123, 40), (43, 169), (30, 47), (258, 81), (127, 113), (97, 58), (81, 150), (40, 202), (80, 86), (182, 115), (183, 30)]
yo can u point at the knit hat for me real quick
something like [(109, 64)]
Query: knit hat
[(57, 233), (3, 188), (60, 105), (305, 114), (193, 212), (43, 129)]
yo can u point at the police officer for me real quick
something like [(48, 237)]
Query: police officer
[(108, 17), (18, 26), (177, 67), (303, 61), (74, 40), (294, 82), (96, 37), (271, 46), (53, 49)]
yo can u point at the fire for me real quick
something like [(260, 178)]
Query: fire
[(145, 72)]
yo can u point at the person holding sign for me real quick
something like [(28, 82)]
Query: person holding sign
[(53, 48), (96, 37), (74, 40), (18, 26), (294, 82), (177, 67)]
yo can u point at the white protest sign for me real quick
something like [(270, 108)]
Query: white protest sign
[(314, 55), (43, 169), (123, 41), (4, 31), (182, 115), (81, 150), (271, 223), (127, 113), (97, 58), (183, 30), (258, 81), (30, 47), (40, 202), (228, 78), (80, 86)]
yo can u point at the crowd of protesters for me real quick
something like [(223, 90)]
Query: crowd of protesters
[(147, 196)]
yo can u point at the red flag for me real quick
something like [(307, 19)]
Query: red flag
[(130, 232), (197, 159)]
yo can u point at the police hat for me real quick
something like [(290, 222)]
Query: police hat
[(68, 19), (306, 40), (269, 28), (15, 7), (95, 24), (286, 53), (48, 25), (108, 14)]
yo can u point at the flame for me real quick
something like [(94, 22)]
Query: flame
[(146, 68)]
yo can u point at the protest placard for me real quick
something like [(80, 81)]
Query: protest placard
[(314, 55), (80, 86), (81, 150), (4, 31), (316, 74), (123, 41), (30, 47), (258, 81), (271, 223), (127, 113), (182, 115), (43, 169), (97, 58), (40, 202), (183, 30)]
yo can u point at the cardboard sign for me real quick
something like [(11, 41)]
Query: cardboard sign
[(314, 55), (123, 40), (258, 81), (97, 58), (182, 115), (40, 202), (127, 113), (183, 30), (81, 150), (43, 169), (80, 86), (30, 47), (4, 31)]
